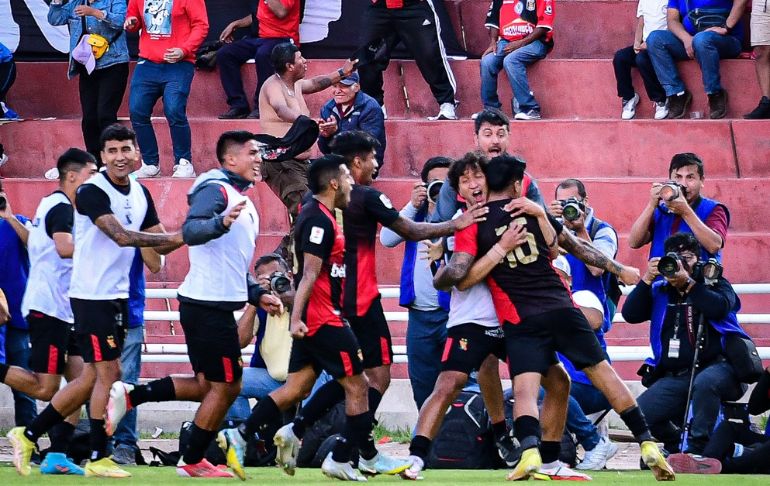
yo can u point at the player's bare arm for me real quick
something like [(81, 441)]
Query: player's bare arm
[(246, 325), (310, 272), (64, 244), (457, 268), (523, 205), (409, 230), (590, 255), (514, 236), (154, 261), (110, 226)]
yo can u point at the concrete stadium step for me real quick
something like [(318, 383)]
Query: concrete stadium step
[(565, 88), (595, 148)]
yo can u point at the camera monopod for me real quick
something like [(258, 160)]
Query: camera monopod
[(698, 345)]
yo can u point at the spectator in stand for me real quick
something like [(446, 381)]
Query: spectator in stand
[(667, 213), (428, 308), (520, 33), (171, 33), (415, 23), (101, 78), (651, 16), (7, 78), (760, 39), (351, 109), (272, 22), (704, 30)]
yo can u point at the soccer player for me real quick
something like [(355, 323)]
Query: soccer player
[(539, 319), (46, 304), (361, 304), (114, 214), (221, 230)]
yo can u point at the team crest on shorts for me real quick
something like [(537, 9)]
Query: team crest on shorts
[(111, 342), (463, 344)]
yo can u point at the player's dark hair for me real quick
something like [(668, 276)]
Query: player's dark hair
[(567, 183), (492, 116), (504, 170), (472, 160), (683, 160), (679, 242), (352, 144), (118, 132), (73, 159), (322, 171), (434, 163), (230, 139), (281, 55), (270, 258)]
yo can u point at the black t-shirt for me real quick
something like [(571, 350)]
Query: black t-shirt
[(367, 207), (525, 283), (60, 219), (94, 202)]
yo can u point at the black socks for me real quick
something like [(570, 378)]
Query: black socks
[(528, 432), (43, 423), (199, 442), (61, 435), (500, 430), (367, 448), (549, 451), (634, 419), (420, 446), (326, 397), (357, 429), (98, 439), (264, 413), (156, 391)]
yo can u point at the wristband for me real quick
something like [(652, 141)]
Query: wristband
[(341, 73)]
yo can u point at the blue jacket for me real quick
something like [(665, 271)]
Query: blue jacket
[(136, 291), (407, 294), (5, 54), (724, 5), (664, 220), (14, 271), (366, 115), (111, 27)]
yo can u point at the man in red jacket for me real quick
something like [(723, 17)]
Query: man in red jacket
[(171, 32)]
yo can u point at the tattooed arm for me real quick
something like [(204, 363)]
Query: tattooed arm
[(590, 255), (453, 272), (320, 83), (110, 226), (412, 231)]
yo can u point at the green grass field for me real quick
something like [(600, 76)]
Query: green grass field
[(166, 476)]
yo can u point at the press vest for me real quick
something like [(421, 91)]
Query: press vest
[(663, 222)]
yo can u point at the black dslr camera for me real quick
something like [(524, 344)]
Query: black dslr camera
[(279, 283), (669, 264), (3, 203), (572, 208), (434, 188), (708, 272), (671, 190)]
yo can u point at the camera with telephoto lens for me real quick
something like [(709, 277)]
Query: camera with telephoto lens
[(707, 272), (572, 209), (671, 190), (3, 203), (669, 264), (279, 282), (434, 188)]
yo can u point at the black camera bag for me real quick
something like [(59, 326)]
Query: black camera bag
[(742, 354)]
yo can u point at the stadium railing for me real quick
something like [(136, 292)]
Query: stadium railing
[(177, 353)]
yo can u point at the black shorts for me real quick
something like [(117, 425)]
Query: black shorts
[(532, 344), (212, 342), (373, 336), (332, 348), (52, 341), (468, 345), (100, 328)]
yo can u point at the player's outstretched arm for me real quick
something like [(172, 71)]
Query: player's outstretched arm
[(591, 255), (152, 257), (110, 226), (412, 231)]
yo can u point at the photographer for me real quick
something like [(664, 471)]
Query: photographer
[(270, 362), (679, 207), (676, 306)]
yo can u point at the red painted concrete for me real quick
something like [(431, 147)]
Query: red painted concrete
[(752, 146)]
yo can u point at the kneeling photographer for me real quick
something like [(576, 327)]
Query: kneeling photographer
[(699, 348)]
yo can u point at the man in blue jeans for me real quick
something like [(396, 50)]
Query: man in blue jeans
[(520, 33), (704, 30)]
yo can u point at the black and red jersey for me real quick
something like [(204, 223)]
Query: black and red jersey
[(524, 283), (318, 234), (516, 19), (367, 207)]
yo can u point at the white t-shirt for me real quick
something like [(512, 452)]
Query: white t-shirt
[(654, 13), (588, 299)]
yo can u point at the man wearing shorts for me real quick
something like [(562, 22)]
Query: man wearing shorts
[(760, 40), (114, 214)]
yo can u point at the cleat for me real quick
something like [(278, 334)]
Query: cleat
[(558, 471), (117, 406), (382, 464), (288, 448), (234, 446), (415, 468), (105, 468), (528, 465), (652, 456), (22, 450), (203, 469), (340, 470), (59, 463), (596, 459), (694, 464), (509, 450)]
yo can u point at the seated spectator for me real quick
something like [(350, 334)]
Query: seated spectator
[(760, 40), (272, 22), (165, 69), (7, 78), (351, 109), (676, 307), (101, 78), (270, 362), (651, 16), (703, 36), (520, 37)]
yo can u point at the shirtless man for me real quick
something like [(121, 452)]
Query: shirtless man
[(281, 102)]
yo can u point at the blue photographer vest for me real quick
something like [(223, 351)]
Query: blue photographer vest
[(406, 296), (663, 222)]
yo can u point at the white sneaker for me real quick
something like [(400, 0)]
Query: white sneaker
[(117, 405), (384, 112), (661, 109), (340, 470), (528, 115), (147, 171), (596, 459), (288, 448), (52, 174), (629, 108), (414, 470), (4, 160), (445, 112), (184, 169), (557, 470)]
